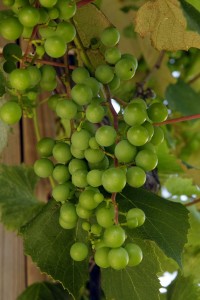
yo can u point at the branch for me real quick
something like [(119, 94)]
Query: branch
[(177, 120), (83, 2), (196, 77), (193, 202)]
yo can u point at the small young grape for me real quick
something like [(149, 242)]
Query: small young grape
[(137, 135), (61, 173), (94, 177), (48, 3), (45, 146), (68, 213), (115, 83), (95, 113), (125, 69), (61, 192), (67, 9), (150, 128), (20, 79), (86, 226), (113, 180), (110, 37), (105, 216), (136, 177), (53, 101), (101, 257), (10, 112), (34, 74), (104, 74), (82, 212), (78, 251), (86, 200), (81, 94), (80, 74), (112, 55), (61, 152), (158, 136), (94, 84), (11, 29), (66, 109), (43, 167), (77, 153), (118, 258), (146, 159), (157, 112), (105, 135), (134, 253), (76, 164), (93, 155), (125, 152), (66, 225), (80, 139), (134, 114), (79, 178), (114, 236), (135, 214), (55, 46), (29, 16)]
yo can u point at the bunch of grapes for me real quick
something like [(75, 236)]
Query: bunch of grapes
[(104, 151)]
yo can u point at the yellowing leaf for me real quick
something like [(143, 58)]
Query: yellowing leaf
[(164, 22)]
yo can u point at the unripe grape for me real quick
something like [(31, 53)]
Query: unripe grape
[(11, 29), (96, 229), (61, 173), (66, 225), (134, 114), (34, 74), (137, 135), (53, 101), (118, 258), (150, 128), (158, 136), (45, 146), (55, 46), (86, 200), (95, 113), (136, 177), (105, 135), (113, 180), (157, 112), (82, 212), (93, 84), (102, 165), (79, 178), (43, 167), (20, 79), (114, 236), (115, 83), (48, 3), (98, 198), (61, 192), (78, 251), (93, 143), (10, 112), (66, 109), (76, 164), (112, 55), (68, 213), (48, 73), (136, 214), (131, 57), (93, 155), (67, 9), (134, 253), (104, 74), (61, 152), (125, 69), (86, 226), (81, 94), (101, 257), (80, 74), (80, 139), (77, 153), (29, 16), (105, 216), (125, 152), (94, 178), (110, 37), (48, 85), (146, 159)]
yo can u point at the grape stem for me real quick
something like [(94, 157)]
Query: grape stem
[(196, 77), (83, 2), (193, 202), (29, 45), (113, 198), (178, 120)]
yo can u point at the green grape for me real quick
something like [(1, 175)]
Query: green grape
[(125, 152), (82, 212), (134, 114), (80, 139), (61, 152), (93, 155), (55, 46), (10, 112), (48, 73), (40, 51), (104, 74), (53, 101), (102, 165), (146, 159), (9, 66), (11, 51), (48, 3), (114, 236), (134, 253), (137, 135), (86, 200), (11, 28), (61, 192), (29, 16), (158, 136), (80, 74), (110, 37), (8, 2), (148, 146), (77, 153), (98, 198), (101, 257), (94, 177), (136, 214), (79, 178), (132, 58), (43, 167), (118, 258), (67, 31), (93, 84), (18, 5), (157, 112), (113, 180), (68, 213), (76, 164), (136, 177), (93, 143), (45, 146), (86, 226), (34, 74), (66, 109), (48, 85), (150, 128), (47, 32), (78, 251), (95, 113), (81, 94), (105, 216), (61, 173), (53, 14), (112, 55), (96, 229), (125, 69), (105, 135), (139, 101), (67, 9), (66, 225), (115, 83), (20, 79)]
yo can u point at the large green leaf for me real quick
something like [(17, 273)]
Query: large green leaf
[(192, 15), (140, 282), (49, 245), (166, 222), (183, 98), (44, 290), (181, 186), (17, 203)]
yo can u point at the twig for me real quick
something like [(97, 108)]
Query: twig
[(52, 63), (123, 103), (193, 202), (83, 2), (177, 120), (29, 45), (196, 77)]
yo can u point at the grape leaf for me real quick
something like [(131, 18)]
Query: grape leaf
[(181, 186), (191, 262), (44, 290), (194, 3), (192, 15), (17, 202), (166, 222), (164, 22), (141, 282), (183, 98), (49, 245)]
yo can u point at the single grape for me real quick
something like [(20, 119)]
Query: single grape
[(80, 139), (125, 152), (76, 164), (148, 146), (78, 251), (105, 216), (66, 225), (136, 177), (53, 101), (110, 37), (136, 214), (150, 128), (157, 112), (93, 155), (77, 153), (134, 114), (81, 94), (95, 113), (66, 109), (131, 57), (20, 79), (96, 229), (115, 83), (105, 135), (61, 192), (67, 31), (102, 165), (112, 55), (67, 9), (68, 213), (114, 236), (82, 212), (158, 136), (86, 226), (29, 16), (118, 258), (61, 152), (44, 17), (93, 143), (80, 74), (48, 3), (10, 112), (146, 159), (140, 101), (79, 178), (93, 84), (137, 135), (94, 177), (47, 32), (9, 66), (101, 257), (125, 69), (53, 13), (113, 180), (134, 253), (45, 147), (104, 74), (11, 29), (61, 173), (98, 198), (55, 46), (48, 73), (43, 167), (86, 200), (34, 74)]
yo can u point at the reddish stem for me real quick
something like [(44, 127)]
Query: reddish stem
[(52, 63), (177, 120), (83, 2), (29, 44), (193, 202), (113, 198)]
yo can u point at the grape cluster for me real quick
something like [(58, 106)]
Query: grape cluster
[(98, 158)]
